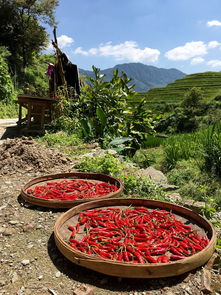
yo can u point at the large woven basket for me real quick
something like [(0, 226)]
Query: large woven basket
[(94, 177), (130, 270)]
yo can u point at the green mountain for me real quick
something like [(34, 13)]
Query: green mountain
[(144, 76), (173, 93)]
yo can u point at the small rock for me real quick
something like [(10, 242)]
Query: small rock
[(25, 262), (169, 293), (211, 261), (40, 277), (9, 231), (52, 292), (2, 229), (112, 152), (58, 274), (188, 277), (155, 175), (2, 283), (15, 277), (193, 205), (28, 226), (188, 290), (86, 291), (30, 246), (174, 197), (206, 282), (7, 182), (13, 222), (21, 291), (39, 226)]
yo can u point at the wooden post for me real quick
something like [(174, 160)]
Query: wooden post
[(61, 70)]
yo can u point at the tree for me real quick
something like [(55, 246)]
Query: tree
[(22, 31), (193, 98), (6, 86)]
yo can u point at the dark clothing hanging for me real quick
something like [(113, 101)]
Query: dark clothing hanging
[(70, 73)]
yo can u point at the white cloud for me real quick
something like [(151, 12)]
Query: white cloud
[(63, 42), (189, 50), (213, 44), (214, 63), (214, 23), (197, 60), (128, 50), (92, 51)]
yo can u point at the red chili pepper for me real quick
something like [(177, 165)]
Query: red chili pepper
[(163, 259), (177, 257), (151, 259), (118, 235)]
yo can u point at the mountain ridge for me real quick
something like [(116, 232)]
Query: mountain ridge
[(144, 76)]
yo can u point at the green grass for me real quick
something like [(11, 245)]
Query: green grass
[(71, 144)]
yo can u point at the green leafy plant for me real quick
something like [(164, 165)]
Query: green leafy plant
[(106, 164), (138, 123), (143, 159), (102, 104), (209, 209), (142, 187)]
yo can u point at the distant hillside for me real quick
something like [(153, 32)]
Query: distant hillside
[(144, 77), (208, 82)]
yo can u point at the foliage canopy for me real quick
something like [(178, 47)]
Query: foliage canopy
[(21, 29)]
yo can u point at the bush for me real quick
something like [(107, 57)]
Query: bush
[(142, 187), (107, 164), (184, 172), (143, 159)]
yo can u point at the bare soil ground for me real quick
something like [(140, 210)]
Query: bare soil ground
[(30, 263)]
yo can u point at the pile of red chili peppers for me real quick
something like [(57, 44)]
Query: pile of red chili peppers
[(72, 189), (136, 235)]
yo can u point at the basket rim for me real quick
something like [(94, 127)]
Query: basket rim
[(83, 256), (78, 175)]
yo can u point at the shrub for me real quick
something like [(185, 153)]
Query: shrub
[(184, 172), (142, 187), (107, 164)]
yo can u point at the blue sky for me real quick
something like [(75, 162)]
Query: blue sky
[(182, 34)]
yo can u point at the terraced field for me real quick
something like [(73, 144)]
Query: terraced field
[(173, 93)]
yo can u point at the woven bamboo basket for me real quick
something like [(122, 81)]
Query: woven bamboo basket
[(127, 269), (93, 177)]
